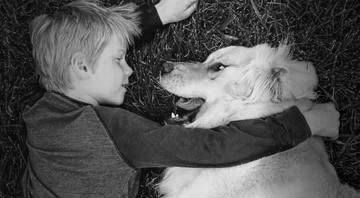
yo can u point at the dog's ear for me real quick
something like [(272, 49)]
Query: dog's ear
[(239, 89), (275, 84), (231, 56)]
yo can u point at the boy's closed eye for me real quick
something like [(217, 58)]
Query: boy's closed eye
[(120, 58), (119, 55)]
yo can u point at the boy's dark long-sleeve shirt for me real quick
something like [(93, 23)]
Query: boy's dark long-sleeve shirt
[(77, 150)]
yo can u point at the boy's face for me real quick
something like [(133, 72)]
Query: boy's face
[(110, 74)]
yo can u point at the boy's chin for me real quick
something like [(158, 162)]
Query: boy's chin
[(114, 101), (117, 102)]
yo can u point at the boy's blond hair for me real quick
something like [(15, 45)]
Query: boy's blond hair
[(80, 26)]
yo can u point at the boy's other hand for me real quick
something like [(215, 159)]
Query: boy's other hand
[(171, 11), (323, 120)]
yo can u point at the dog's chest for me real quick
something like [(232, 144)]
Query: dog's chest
[(250, 178)]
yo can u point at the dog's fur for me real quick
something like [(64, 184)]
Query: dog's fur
[(267, 81)]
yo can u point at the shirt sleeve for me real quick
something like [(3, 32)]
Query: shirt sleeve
[(144, 143), (149, 23)]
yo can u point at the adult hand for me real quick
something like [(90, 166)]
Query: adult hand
[(175, 10), (323, 120)]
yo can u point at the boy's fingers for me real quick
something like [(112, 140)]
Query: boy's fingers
[(326, 106), (304, 104), (191, 3), (332, 135), (192, 7)]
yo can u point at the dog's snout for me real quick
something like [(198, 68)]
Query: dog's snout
[(168, 67)]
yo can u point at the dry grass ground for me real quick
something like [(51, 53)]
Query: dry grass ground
[(326, 32)]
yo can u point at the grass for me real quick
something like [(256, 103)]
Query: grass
[(326, 32)]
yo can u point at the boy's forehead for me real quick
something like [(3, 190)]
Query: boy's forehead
[(117, 46)]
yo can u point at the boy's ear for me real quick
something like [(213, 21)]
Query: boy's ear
[(80, 66)]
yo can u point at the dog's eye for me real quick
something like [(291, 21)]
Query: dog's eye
[(216, 67), (214, 70)]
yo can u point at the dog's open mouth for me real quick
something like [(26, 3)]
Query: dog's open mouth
[(188, 108)]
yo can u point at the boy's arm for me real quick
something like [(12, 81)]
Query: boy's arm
[(164, 12), (149, 22), (144, 143)]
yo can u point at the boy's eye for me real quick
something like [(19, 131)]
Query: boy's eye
[(119, 59)]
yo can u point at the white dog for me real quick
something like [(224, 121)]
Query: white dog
[(264, 81)]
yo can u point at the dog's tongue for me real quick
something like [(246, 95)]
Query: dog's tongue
[(189, 104)]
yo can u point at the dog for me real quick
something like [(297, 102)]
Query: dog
[(265, 81)]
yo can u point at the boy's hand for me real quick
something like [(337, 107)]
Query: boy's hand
[(175, 10), (323, 120)]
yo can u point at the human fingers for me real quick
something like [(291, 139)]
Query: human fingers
[(190, 9), (175, 10), (323, 120), (325, 106), (327, 110), (329, 118), (191, 3), (304, 104)]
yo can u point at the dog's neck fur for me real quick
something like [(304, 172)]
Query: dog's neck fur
[(220, 112)]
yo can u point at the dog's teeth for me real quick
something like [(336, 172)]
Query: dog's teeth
[(174, 115)]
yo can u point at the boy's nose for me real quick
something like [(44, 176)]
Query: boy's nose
[(168, 67), (128, 71)]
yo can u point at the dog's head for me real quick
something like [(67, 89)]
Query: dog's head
[(197, 80), (269, 74)]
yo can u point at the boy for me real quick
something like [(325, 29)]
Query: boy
[(78, 147)]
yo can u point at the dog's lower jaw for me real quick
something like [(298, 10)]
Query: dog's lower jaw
[(212, 115)]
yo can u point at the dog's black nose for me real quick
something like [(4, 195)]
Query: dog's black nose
[(168, 67)]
